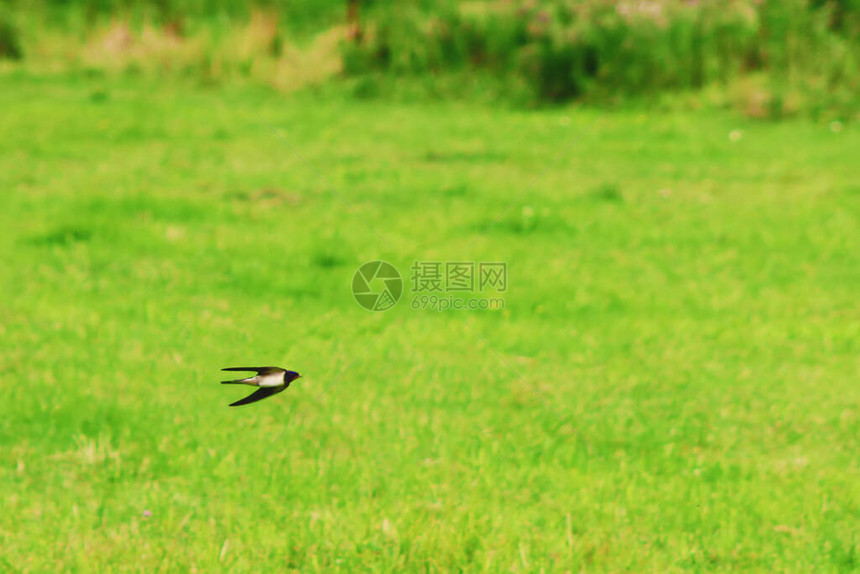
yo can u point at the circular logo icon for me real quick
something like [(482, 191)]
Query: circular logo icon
[(377, 286)]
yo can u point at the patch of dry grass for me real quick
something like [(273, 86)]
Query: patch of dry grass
[(257, 49)]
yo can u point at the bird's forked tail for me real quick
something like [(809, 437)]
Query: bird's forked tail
[(239, 382)]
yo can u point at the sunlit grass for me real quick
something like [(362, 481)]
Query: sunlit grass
[(685, 299)]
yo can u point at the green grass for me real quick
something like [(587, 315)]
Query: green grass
[(688, 302)]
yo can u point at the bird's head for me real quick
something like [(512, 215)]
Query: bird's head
[(290, 376)]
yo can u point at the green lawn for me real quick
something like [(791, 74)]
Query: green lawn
[(687, 302)]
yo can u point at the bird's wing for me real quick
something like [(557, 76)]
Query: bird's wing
[(258, 370), (257, 395)]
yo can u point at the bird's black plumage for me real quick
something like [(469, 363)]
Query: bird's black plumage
[(258, 395), (258, 370)]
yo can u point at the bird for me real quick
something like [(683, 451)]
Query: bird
[(271, 380)]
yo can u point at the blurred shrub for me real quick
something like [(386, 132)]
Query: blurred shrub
[(10, 41), (768, 57), (605, 50)]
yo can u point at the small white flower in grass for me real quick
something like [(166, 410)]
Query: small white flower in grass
[(836, 127), (735, 135), (147, 513)]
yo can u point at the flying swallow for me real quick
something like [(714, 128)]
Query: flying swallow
[(271, 380)]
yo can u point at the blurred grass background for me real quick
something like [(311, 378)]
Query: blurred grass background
[(765, 58)]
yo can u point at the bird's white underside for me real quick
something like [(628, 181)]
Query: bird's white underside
[(271, 380)]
